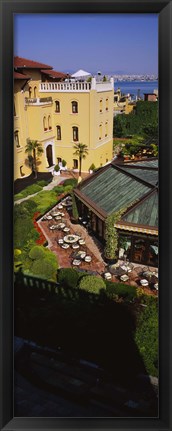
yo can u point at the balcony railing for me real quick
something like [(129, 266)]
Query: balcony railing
[(76, 86), (65, 86), (38, 100)]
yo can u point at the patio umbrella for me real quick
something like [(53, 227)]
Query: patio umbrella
[(81, 74)]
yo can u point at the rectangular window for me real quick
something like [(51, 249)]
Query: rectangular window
[(75, 164), (75, 134), (58, 133), (57, 103), (16, 139)]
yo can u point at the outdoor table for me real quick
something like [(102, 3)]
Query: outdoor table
[(52, 227), (76, 262), (144, 282), (107, 276), (124, 277), (61, 225), (71, 239), (49, 217), (126, 268), (55, 213), (58, 217), (87, 258), (81, 254), (60, 207), (119, 271)]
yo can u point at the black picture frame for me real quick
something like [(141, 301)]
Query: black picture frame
[(8, 9)]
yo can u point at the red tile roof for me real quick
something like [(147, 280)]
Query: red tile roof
[(20, 76), (20, 62), (54, 74)]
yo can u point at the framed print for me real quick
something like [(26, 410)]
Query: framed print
[(85, 218)]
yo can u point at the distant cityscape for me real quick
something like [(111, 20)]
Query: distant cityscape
[(131, 78)]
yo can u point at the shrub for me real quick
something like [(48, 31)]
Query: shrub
[(58, 189), (68, 189), (92, 284), (92, 167), (68, 277), (43, 268), (71, 182), (36, 252), (74, 208), (64, 163), (57, 168), (146, 336), (17, 253), (121, 290), (23, 232), (26, 208), (30, 190), (45, 200), (18, 196), (43, 183)]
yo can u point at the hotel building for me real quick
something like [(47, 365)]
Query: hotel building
[(58, 113)]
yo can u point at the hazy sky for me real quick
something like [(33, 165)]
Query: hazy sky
[(111, 43)]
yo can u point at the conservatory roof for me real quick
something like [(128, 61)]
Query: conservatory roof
[(113, 188)]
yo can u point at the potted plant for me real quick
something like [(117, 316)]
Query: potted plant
[(57, 170), (64, 163), (92, 168)]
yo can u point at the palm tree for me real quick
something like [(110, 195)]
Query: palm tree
[(81, 150), (34, 150)]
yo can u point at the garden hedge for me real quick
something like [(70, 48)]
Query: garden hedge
[(92, 284)]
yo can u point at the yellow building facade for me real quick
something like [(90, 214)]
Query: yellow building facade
[(58, 114)]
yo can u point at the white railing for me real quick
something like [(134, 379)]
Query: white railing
[(77, 86), (38, 100), (64, 86)]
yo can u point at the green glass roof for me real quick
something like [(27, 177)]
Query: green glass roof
[(150, 176), (146, 213), (113, 190), (146, 163)]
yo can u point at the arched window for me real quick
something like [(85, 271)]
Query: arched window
[(107, 104), (57, 106), (16, 139), (35, 92), (106, 128), (30, 92), (100, 131), (49, 122), (101, 105), (58, 133), (75, 133), (74, 107), (45, 123)]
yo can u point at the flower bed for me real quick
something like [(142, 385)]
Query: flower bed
[(41, 240)]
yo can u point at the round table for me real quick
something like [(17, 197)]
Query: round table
[(71, 239)]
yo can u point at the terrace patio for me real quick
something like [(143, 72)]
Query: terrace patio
[(85, 252)]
